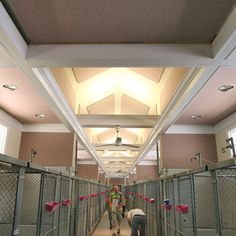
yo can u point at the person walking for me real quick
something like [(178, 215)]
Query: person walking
[(109, 209), (117, 201), (137, 221)]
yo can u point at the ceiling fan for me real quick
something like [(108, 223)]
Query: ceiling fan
[(118, 141)]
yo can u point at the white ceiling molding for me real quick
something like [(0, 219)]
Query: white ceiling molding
[(225, 123), (120, 55), (46, 128), (6, 119), (190, 129), (227, 34), (124, 121)]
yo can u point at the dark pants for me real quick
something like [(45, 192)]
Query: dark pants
[(123, 211), (110, 216), (138, 222)]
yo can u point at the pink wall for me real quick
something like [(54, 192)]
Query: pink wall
[(178, 149), (87, 171), (53, 149)]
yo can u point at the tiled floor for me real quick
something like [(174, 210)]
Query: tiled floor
[(103, 227)]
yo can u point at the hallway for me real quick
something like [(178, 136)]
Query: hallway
[(103, 227)]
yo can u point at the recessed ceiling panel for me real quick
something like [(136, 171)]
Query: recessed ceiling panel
[(153, 74), (104, 106), (25, 102), (131, 106), (211, 104), (112, 21), (83, 74)]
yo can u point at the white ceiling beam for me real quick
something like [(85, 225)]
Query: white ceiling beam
[(120, 55), (10, 35), (111, 121), (116, 148), (119, 159), (225, 37)]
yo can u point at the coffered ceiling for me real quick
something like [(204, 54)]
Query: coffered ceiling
[(80, 65)]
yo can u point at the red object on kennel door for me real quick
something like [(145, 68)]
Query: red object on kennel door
[(182, 208)]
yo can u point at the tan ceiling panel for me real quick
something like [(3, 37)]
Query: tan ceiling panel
[(83, 74), (104, 106), (131, 106), (153, 74), (115, 21)]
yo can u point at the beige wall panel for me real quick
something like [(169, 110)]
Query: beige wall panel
[(146, 172), (87, 171), (53, 149), (178, 149)]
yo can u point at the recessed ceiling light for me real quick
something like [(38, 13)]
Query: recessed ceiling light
[(10, 87), (39, 115), (196, 117), (226, 87)]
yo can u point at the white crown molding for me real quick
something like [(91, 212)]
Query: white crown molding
[(190, 129), (46, 128), (225, 123), (6, 119)]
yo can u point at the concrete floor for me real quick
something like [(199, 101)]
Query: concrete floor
[(103, 227)]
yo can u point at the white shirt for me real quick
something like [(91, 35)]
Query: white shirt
[(134, 212)]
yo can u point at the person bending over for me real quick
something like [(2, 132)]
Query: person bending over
[(137, 221)]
